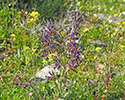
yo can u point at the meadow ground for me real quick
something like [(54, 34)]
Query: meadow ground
[(87, 53)]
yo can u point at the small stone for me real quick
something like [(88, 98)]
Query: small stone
[(45, 72)]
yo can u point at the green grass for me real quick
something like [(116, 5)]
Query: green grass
[(26, 62)]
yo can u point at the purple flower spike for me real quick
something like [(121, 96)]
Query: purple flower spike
[(43, 39), (78, 28)]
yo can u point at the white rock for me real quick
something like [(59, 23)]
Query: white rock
[(45, 72)]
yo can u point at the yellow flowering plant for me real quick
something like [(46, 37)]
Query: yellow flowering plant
[(98, 49), (27, 48), (34, 16), (115, 15)]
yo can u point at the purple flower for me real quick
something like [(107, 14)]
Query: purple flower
[(56, 64), (70, 44), (75, 52), (47, 82), (72, 61), (50, 73), (78, 28), (43, 55), (18, 77), (75, 66), (78, 53), (49, 27), (47, 36), (72, 51), (77, 38), (73, 70), (81, 47), (80, 61), (74, 44), (21, 84), (43, 39), (14, 79), (76, 60), (77, 57), (59, 60), (51, 46), (74, 26), (25, 85), (73, 35), (55, 59)]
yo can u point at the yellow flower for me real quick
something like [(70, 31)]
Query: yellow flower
[(27, 48), (19, 12), (36, 17), (34, 14), (51, 55), (63, 34), (43, 88), (44, 61), (98, 49), (64, 4), (12, 35), (122, 46), (80, 8), (115, 15), (108, 18), (114, 34), (27, 63), (31, 20), (123, 23), (34, 51), (85, 30)]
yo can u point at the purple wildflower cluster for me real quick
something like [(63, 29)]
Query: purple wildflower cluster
[(73, 47), (17, 81), (50, 46)]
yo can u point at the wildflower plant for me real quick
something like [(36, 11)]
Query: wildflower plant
[(63, 51)]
